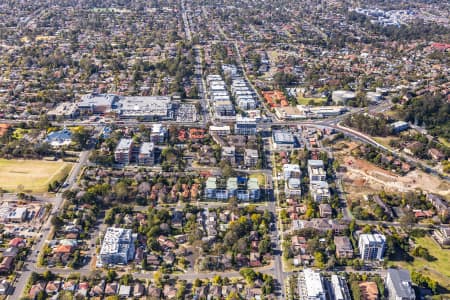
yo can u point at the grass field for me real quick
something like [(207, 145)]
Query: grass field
[(31, 175), (305, 101), (260, 177), (439, 269)]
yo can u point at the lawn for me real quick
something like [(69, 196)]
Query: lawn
[(261, 178), (31, 175), (305, 101), (439, 269)]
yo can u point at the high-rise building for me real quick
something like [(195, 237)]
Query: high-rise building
[(372, 246)]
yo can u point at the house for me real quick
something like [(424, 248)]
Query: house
[(97, 290), (436, 154), (83, 288), (138, 290), (17, 242), (11, 252), (325, 210), (64, 249), (36, 289), (124, 291), (169, 292), (111, 288), (398, 285), (344, 247), (154, 293), (6, 264), (255, 259), (69, 285), (53, 287)]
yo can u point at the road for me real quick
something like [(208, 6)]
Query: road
[(45, 231)]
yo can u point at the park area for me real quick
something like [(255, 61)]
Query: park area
[(31, 175), (437, 269)]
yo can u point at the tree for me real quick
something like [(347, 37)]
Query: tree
[(111, 275), (157, 277), (407, 221), (121, 190), (217, 280), (319, 260)]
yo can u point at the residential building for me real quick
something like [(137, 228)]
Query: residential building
[(441, 206), (123, 152), (146, 154), (325, 210), (242, 188), (292, 187), (229, 154), (372, 246), (245, 126), (310, 285), (340, 289), (159, 134), (316, 170), (344, 247), (442, 236), (251, 157), (398, 285), (319, 191), (220, 130), (291, 171), (117, 246), (292, 175), (283, 140)]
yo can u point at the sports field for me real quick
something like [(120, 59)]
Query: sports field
[(31, 175)]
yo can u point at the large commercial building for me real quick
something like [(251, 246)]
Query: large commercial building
[(223, 189), (310, 285), (398, 285), (282, 140), (123, 153), (97, 103), (117, 247), (372, 246), (149, 107), (342, 97)]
